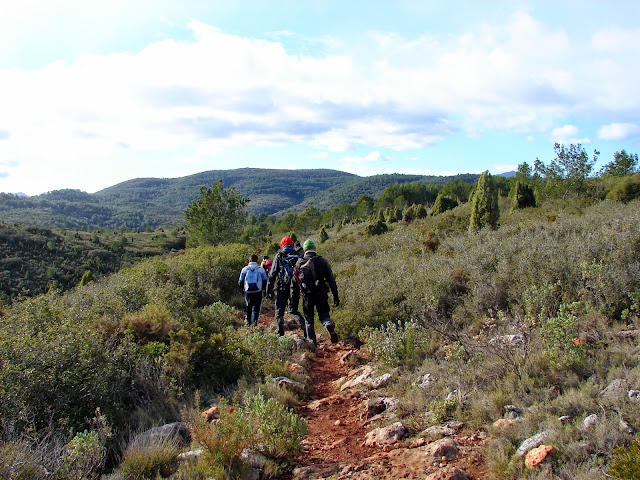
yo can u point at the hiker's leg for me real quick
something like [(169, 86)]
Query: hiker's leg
[(293, 305), (322, 304), (257, 303), (247, 313), (309, 328), (282, 296)]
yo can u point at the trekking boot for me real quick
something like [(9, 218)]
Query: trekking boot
[(332, 333)]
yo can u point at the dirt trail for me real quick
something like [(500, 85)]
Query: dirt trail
[(335, 445)]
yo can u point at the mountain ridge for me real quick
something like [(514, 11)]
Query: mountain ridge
[(160, 202)]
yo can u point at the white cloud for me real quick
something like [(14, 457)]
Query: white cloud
[(219, 91), (618, 131), (568, 134)]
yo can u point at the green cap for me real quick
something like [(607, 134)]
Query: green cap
[(309, 245)]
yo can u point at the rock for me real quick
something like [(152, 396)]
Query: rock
[(173, 432), (503, 423), (425, 380), (210, 413), (190, 456), (439, 431), (378, 405), (301, 343), (381, 381), (349, 357), (507, 340), (626, 427), (253, 459), (445, 447), (361, 376), (590, 421), (289, 384), (513, 412), (315, 471), (564, 418), (537, 455), (634, 395), (385, 435), (447, 473), (532, 442), (615, 388), (296, 368)]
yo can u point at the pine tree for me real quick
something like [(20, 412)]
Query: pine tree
[(484, 204)]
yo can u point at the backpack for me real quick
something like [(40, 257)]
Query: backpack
[(251, 280), (287, 268), (306, 274)]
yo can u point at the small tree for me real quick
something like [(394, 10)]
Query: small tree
[(324, 236), (569, 171), (217, 216), (622, 164), (523, 196), (442, 204), (484, 204)]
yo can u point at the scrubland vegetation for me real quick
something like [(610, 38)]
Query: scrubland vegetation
[(540, 312)]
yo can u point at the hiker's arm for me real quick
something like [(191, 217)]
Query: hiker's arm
[(331, 280), (243, 273)]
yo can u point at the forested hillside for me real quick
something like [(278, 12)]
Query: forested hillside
[(36, 259), (160, 202)]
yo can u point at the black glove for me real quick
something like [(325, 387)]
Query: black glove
[(336, 302)]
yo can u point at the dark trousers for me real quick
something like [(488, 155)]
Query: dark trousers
[(318, 300), (291, 295), (253, 301)]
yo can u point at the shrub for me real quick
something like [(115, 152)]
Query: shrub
[(523, 197), (625, 189), (625, 463), (149, 460), (396, 344)]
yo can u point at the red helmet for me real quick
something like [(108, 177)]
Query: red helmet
[(286, 241)]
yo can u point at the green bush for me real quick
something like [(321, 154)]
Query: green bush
[(625, 463)]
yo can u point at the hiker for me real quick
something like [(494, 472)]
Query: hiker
[(287, 290), (266, 264), (315, 278), (251, 279)]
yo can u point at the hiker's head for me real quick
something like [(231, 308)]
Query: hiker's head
[(253, 258), (286, 241), (265, 257), (309, 245)]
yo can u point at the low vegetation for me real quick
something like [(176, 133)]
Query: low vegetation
[(537, 310)]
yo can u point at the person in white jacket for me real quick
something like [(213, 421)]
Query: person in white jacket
[(251, 278)]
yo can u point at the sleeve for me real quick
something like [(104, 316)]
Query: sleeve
[(331, 280), (243, 274), (263, 274)]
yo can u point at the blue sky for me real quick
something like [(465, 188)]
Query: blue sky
[(96, 93)]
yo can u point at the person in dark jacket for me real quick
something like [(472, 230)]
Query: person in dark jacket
[(251, 278), (287, 290), (315, 291)]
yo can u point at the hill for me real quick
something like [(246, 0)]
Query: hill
[(156, 202)]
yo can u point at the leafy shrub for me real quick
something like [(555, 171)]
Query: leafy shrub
[(625, 189), (625, 463), (396, 344)]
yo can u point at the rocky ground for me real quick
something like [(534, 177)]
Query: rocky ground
[(354, 434)]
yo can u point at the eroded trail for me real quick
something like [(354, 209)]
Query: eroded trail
[(337, 419), (336, 433)]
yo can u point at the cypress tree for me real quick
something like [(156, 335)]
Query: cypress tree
[(523, 196), (484, 204)]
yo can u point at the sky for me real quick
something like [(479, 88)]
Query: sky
[(96, 93)]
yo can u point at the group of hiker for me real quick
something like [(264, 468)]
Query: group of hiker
[(292, 273)]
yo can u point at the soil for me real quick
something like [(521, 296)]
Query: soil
[(335, 445)]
